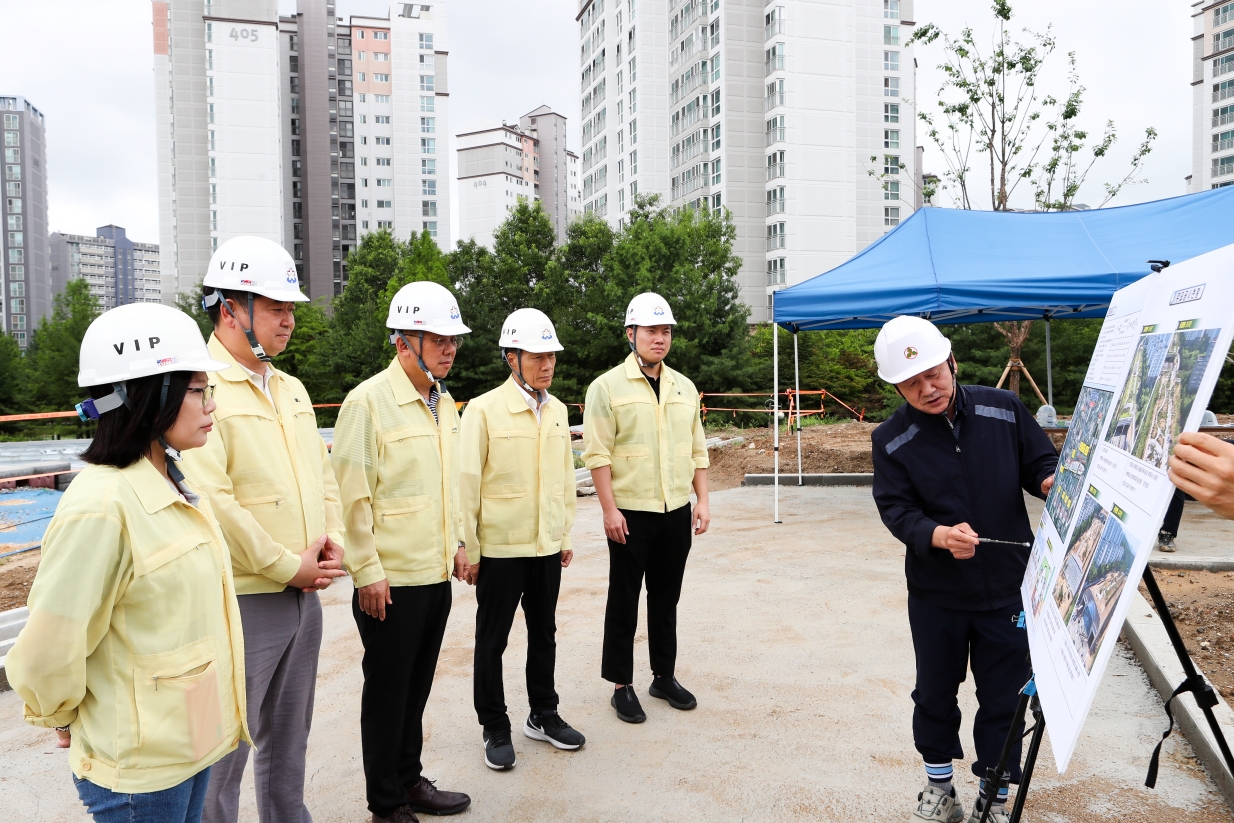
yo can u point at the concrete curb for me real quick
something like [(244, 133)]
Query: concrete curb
[(1200, 564), (837, 479), (1152, 646)]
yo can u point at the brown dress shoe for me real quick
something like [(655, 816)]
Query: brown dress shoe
[(425, 798), (403, 814)]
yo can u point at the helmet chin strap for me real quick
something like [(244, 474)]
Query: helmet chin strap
[(258, 351), (540, 394), (441, 384), (173, 455), (637, 356)]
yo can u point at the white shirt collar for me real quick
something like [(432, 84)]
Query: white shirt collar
[(260, 380), (532, 402)]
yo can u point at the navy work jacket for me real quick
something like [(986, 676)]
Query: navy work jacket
[(929, 472)]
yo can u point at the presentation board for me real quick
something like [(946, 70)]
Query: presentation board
[(1153, 370)]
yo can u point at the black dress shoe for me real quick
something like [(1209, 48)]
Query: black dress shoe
[(403, 814), (625, 701), (667, 688), (425, 798)]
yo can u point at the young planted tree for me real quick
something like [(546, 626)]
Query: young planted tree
[(55, 348)]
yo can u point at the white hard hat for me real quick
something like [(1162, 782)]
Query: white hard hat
[(257, 265), (529, 330), (906, 346), (425, 306), (649, 309), (141, 339)]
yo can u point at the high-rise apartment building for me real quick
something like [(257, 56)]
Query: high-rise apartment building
[(499, 165), (302, 129), (25, 283), (772, 110), (119, 270), (1212, 94)]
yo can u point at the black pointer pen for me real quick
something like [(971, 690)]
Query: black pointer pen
[(1004, 542)]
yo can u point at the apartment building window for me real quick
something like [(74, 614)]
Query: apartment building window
[(891, 164), (17, 256), (14, 205), (19, 320), (1223, 14), (891, 87), (381, 35), (775, 165), (428, 187), (621, 200), (385, 182), (293, 64), (715, 137), (891, 216), (1223, 141), (428, 167), (297, 189), (385, 204), (891, 9), (426, 82), (381, 119), (295, 106), (774, 59), (891, 61), (891, 190), (775, 129), (428, 208), (213, 168), (344, 66), (209, 32), (297, 211), (295, 85), (295, 147), (385, 78), (1221, 167), (210, 60), (430, 226), (361, 78), (1223, 90), (891, 138), (428, 125), (633, 67), (347, 171), (633, 169), (715, 172), (17, 289), (715, 103), (426, 42), (363, 161), (891, 35), (344, 88), (17, 272), (291, 43), (773, 23), (891, 112), (776, 235), (381, 98), (776, 270), (633, 132), (297, 231), (385, 224), (295, 126), (14, 222), (775, 201), (296, 168), (633, 100), (1221, 116), (428, 145), (775, 94), (381, 141)]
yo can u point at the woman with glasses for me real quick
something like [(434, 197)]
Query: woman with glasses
[(133, 651)]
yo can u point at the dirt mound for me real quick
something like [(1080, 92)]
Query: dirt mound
[(838, 447)]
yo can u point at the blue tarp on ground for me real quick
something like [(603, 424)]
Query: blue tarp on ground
[(24, 516), (956, 266)]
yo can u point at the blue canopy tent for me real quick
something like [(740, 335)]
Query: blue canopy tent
[(955, 266)]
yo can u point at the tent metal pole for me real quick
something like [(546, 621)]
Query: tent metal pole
[(775, 406), (797, 399), (1049, 366)]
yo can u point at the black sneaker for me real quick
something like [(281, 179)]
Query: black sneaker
[(549, 727), (667, 688), (498, 750), (625, 701)]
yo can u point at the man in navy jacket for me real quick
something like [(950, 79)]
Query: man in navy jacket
[(949, 467)]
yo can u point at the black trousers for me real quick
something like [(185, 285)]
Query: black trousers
[(400, 659), (1174, 514), (503, 583), (656, 548), (947, 642)]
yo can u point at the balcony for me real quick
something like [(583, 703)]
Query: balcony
[(774, 100), (1224, 118), (773, 64), (775, 135), (1224, 168), (773, 28), (775, 207), (775, 171), (775, 242)]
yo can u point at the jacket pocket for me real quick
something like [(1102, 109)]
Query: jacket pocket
[(557, 512), (507, 514), (181, 713), (408, 532), (632, 471), (250, 495)]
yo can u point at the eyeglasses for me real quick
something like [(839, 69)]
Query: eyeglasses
[(206, 392), (446, 342)]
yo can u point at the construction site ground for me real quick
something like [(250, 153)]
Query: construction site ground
[(795, 640)]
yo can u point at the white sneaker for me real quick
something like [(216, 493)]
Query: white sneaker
[(937, 806), (999, 814)]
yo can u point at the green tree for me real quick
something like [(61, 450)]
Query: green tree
[(55, 347), (189, 302), (14, 377)]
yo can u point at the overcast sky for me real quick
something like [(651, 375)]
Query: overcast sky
[(509, 56)]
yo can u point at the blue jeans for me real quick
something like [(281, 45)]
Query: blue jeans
[(179, 804)]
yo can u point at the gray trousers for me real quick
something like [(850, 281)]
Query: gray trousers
[(282, 637)]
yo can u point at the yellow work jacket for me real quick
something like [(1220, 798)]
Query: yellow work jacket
[(134, 637), (267, 473), (397, 469), (517, 487), (653, 447)]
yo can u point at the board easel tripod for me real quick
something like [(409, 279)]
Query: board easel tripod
[(999, 777)]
